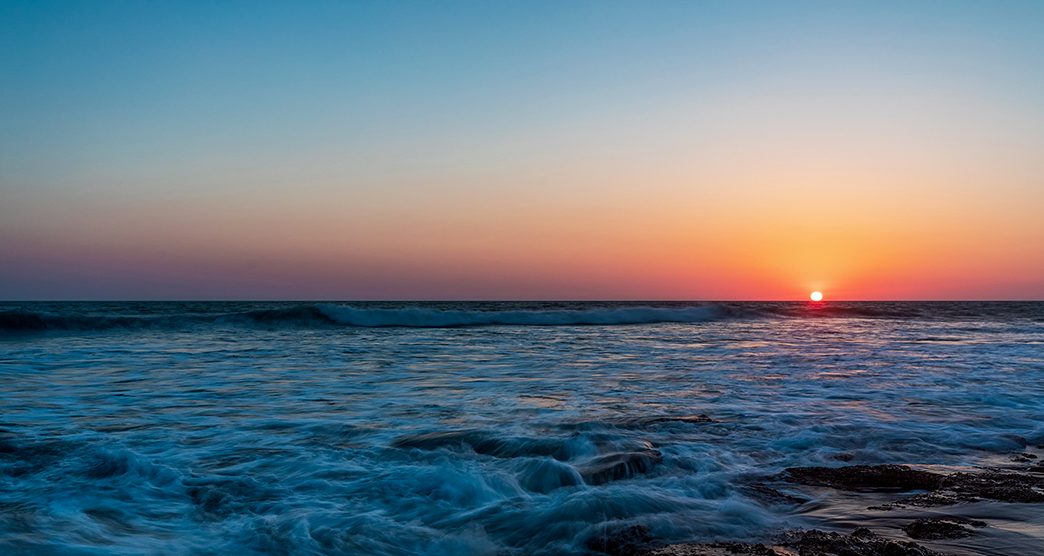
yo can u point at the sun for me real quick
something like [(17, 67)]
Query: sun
[(816, 296)]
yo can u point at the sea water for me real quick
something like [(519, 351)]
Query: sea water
[(479, 428)]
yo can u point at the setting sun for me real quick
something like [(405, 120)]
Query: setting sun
[(547, 259)]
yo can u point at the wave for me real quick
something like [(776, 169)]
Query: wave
[(446, 318), (337, 315), (311, 315), (21, 320)]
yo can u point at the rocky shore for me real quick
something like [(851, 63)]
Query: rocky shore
[(1021, 482)]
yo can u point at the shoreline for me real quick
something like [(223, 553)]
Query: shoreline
[(893, 510)]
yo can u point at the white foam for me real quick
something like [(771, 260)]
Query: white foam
[(434, 318)]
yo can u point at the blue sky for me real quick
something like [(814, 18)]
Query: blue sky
[(177, 138)]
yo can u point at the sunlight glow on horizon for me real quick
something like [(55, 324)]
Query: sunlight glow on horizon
[(472, 151)]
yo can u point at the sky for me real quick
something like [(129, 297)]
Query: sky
[(521, 150)]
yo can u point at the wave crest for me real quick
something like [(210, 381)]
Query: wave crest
[(447, 318), (313, 315), (81, 317)]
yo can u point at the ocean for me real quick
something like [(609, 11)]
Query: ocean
[(492, 428)]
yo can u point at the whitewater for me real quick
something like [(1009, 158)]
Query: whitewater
[(488, 428)]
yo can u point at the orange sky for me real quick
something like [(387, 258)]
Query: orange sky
[(693, 153)]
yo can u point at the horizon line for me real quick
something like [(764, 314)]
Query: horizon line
[(520, 300)]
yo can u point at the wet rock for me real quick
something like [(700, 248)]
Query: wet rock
[(865, 477), (935, 528), (620, 465), (1023, 458), (630, 541), (1002, 486), (862, 542), (720, 549)]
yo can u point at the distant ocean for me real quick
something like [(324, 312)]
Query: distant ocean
[(488, 428)]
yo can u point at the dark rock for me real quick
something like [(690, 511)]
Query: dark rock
[(718, 549), (1023, 458), (1003, 486), (617, 466), (865, 477), (630, 541), (934, 528), (862, 542)]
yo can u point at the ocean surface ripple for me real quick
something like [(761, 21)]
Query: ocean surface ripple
[(479, 428)]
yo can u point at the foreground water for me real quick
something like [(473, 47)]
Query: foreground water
[(479, 428)]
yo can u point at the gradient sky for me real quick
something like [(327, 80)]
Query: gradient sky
[(521, 150)]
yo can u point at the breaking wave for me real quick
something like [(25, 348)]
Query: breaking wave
[(449, 315), (292, 428), (435, 318), (333, 315)]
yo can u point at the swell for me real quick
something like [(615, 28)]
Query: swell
[(416, 317), (21, 320), (312, 315)]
